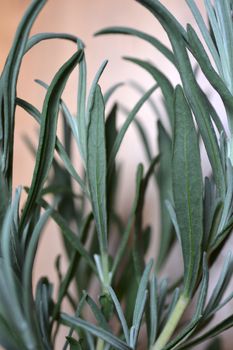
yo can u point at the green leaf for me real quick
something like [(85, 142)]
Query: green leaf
[(12, 306), (27, 270), (96, 331), (134, 331), (66, 113), (153, 310), (220, 286), (81, 108), (8, 339), (37, 38), (138, 244), (125, 126), (144, 138), (141, 90), (43, 301), (77, 314), (110, 135), (71, 237), (4, 196), (58, 145), (224, 18), (213, 332), (162, 295), (91, 96), (96, 166), (65, 284), (7, 240), (216, 33), (205, 33), (191, 88), (141, 291), (214, 79), (102, 323), (187, 190), (157, 8), (126, 233), (130, 31), (172, 215), (47, 137), (214, 115), (164, 179), (162, 81), (8, 83), (212, 214), (120, 314), (141, 131)]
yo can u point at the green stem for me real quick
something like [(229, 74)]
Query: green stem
[(100, 344), (105, 267), (171, 323)]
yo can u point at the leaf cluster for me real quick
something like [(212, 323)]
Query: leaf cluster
[(135, 306)]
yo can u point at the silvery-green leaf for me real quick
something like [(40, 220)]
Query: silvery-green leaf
[(187, 190), (192, 91), (126, 232), (164, 179), (120, 314), (153, 310), (162, 81), (96, 331), (149, 38), (125, 126), (8, 84), (96, 166), (58, 145), (47, 139), (37, 38)]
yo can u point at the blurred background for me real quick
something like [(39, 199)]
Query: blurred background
[(83, 18)]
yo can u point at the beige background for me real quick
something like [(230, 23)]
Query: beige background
[(83, 18)]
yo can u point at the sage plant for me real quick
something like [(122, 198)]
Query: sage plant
[(135, 307)]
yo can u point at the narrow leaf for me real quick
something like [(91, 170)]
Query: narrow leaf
[(125, 126), (96, 331), (96, 166), (8, 85), (47, 138), (187, 189), (120, 314), (149, 38)]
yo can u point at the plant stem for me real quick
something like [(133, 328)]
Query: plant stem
[(171, 323), (100, 344), (105, 267)]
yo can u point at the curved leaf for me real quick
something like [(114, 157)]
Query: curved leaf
[(137, 33), (37, 38), (8, 82), (59, 147), (192, 91), (47, 137), (125, 126), (96, 331), (162, 81)]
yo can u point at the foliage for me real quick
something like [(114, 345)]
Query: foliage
[(136, 307)]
